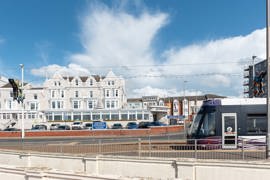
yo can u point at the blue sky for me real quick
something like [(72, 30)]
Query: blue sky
[(205, 43)]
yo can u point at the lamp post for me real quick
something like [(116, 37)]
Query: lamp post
[(268, 72), (22, 86), (184, 105)]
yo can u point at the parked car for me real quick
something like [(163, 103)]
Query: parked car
[(39, 127), (157, 123), (88, 126), (63, 127), (77, 125), (54, 126), (117, 126), (11, 129), (144, 124), (132, 125)]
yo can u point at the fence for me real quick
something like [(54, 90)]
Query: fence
[(138, 147)]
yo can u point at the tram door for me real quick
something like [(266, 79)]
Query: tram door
[(229, 130)]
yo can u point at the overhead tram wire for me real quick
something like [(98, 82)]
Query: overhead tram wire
[(182, 75), (166, 65)]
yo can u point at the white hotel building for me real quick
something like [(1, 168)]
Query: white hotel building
[(62, 98)]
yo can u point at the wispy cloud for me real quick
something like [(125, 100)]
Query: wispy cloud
[(2, 40), (43, 50), (114, 38)]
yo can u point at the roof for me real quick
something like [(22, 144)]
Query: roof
[(134, 100), (83, 78), (243, 101), (8, 85)]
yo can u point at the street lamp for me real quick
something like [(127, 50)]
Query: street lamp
[(22, 86), (184, 105), (268, 74)]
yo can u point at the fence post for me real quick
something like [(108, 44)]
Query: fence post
[(139, 146), (195, 144), (99, 146), (149, 147), (61, 147), (243, 147)]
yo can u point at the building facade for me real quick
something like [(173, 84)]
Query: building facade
[(255, 83), (61, 98), (89, 98)]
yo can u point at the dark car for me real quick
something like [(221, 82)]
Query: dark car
[(63, 127), (117, 126), (157, 123), (39, 127), (144, 124), (11, 129), (132, 125)]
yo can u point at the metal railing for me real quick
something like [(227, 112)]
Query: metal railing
[(137, 147)]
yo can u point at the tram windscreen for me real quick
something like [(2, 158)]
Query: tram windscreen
[(204, 124), (195, 124), (208, 126)]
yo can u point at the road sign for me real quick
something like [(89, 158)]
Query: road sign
[(99, 125)]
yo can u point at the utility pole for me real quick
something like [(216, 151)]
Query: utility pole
[(268, 73), (22, 86)]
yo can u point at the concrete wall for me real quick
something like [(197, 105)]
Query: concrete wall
[(38, 166)]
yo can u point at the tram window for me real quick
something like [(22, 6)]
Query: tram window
[(256, 124), (208, 127), (195, 124)]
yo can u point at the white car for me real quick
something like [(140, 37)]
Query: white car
[(78, 125), (54, 126)]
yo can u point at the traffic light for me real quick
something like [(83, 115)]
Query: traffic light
[(17, 92)]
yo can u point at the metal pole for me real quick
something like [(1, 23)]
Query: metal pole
[(268, 73), (184, 105), (253, 67), (22, 86)]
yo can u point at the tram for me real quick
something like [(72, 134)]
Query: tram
[(225, 121)]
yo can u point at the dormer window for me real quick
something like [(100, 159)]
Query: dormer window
[(91, 82), (76, 82)]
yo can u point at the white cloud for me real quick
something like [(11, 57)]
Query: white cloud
[(71, 70), (113, 38)]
